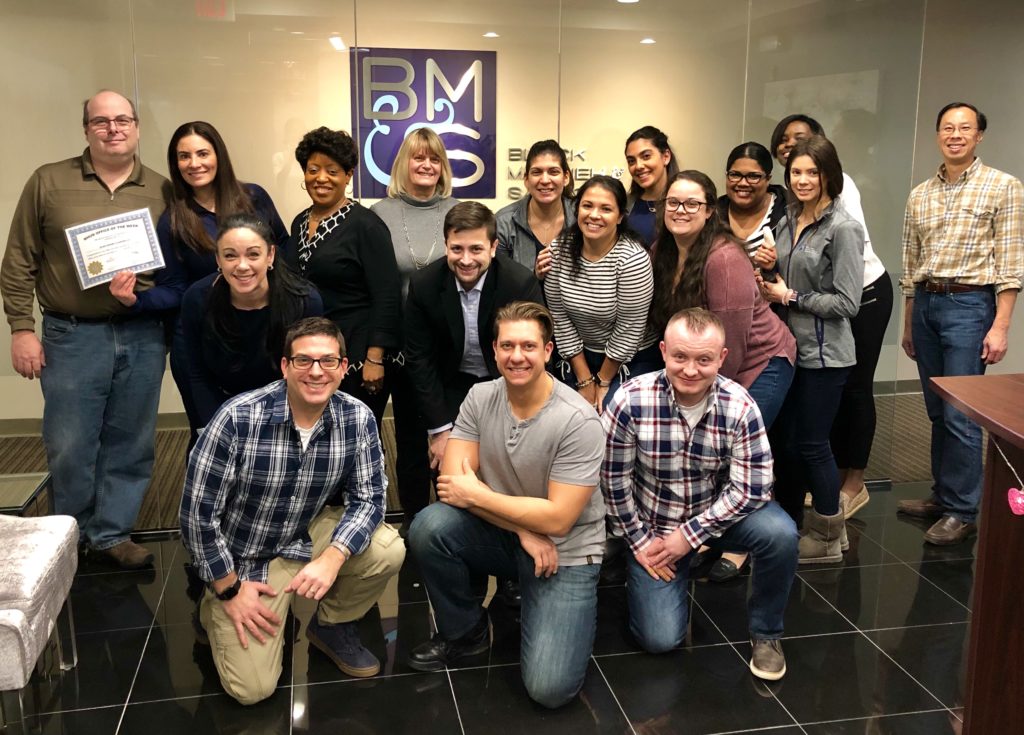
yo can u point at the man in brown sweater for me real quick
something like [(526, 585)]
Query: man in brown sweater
[(100, 364)]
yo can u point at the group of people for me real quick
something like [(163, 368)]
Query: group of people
[(704, 361)]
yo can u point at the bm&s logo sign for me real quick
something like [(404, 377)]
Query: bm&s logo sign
[(397, 91)]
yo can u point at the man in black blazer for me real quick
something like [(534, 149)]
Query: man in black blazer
[(449, 317)]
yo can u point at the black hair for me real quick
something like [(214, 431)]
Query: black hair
[(755, 152), (335, 144), (552, 147), (780, 129), (660, 141), (982, 120), (572, 235)]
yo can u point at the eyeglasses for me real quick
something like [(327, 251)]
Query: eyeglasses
[(962, 129), (690, 206), (305, 362), (121, 122), (753, 178)]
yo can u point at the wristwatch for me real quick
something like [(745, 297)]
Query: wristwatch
[(228, 593)]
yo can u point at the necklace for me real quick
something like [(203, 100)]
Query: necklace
[(652, 206), (421, 262)]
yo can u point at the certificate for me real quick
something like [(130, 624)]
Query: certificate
[(123, 242)]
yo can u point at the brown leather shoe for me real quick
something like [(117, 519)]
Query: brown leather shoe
[(925, 508), (948, 530), (127, 555)]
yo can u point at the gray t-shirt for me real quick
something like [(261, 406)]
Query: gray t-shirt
[(561, 442)]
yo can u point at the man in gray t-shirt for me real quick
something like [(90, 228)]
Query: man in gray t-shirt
[(517, 501)]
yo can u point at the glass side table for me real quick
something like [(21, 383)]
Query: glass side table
[(27, 495)]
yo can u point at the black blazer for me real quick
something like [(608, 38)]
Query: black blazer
[(435, 332)]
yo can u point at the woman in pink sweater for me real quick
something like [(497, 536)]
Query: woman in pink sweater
[(697, 262)]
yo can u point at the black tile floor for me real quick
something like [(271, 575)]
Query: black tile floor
[(875, 645)]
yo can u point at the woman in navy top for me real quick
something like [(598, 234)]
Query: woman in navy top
[(205, 192), (234, 321), (651, 164)]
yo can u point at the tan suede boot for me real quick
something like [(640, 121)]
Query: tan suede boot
[(820, 543)]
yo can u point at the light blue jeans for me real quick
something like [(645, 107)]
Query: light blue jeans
[(659, 612), (948, 332), (101, 387), (559, 613)]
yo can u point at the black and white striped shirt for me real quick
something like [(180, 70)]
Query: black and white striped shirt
[(603, 306)]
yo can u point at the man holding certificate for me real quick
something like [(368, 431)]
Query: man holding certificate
[(100, 364)]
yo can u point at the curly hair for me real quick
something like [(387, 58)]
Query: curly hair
[(660, 141), (335, 144)]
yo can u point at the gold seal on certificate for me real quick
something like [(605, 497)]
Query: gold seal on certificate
[(123, 242)]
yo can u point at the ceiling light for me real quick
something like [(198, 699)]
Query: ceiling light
[(298, 33), (647, 41), (629, 2), (338, 44), (491, 34)]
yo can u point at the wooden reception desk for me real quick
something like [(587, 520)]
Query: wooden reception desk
[(994, 697)]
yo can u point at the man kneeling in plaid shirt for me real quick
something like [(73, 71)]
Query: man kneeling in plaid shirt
[(254, 517), (687, 462)]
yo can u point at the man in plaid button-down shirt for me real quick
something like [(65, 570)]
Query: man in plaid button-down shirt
[(255, 521), (687, 462), (963, 257)]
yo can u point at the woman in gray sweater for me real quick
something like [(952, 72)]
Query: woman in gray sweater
[(820, 250)]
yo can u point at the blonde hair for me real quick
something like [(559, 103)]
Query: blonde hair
[(421, 139)]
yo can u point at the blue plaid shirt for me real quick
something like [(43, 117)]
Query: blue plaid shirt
[(659, 475), (251, 491)]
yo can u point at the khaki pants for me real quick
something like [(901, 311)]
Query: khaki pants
[(250, 675)]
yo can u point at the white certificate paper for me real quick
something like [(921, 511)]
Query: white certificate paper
[(123, 242)]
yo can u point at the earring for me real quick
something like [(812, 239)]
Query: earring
[(302, 185), (270, 267)]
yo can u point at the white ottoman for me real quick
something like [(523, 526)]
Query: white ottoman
[(38, 560)]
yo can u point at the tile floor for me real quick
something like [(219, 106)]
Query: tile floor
[(875, 645)]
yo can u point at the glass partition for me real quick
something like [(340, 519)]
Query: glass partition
[(710, 73)]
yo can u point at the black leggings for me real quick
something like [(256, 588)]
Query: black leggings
[(853, 431)]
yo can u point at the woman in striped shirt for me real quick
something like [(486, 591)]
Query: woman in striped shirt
[(599, 292)]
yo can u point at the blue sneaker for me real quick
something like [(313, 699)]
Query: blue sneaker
[(341, 644)]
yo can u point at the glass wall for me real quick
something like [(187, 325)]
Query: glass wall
[(711, 73)]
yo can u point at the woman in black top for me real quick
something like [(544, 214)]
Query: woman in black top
[(651, 164), (234, 321), (345, 250)]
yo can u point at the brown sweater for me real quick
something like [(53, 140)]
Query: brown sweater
[(753, 333), (38, 260)]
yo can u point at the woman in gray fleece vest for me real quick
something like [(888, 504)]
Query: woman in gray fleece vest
[(820, 250)]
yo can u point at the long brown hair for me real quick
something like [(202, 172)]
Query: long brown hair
[(691, 290), (231, 196)]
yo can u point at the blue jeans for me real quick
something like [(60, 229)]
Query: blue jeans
[(644, 361), (770, 387), (559, 613), (659, 611), (948, 333), (101, 387), (800, 441)]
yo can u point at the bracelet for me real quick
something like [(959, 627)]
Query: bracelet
[(584, 383), (375, 362), (790, 297), (601, 382)]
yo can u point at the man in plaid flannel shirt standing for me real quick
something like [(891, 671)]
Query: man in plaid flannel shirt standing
[(687, 462), (963, 256)]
